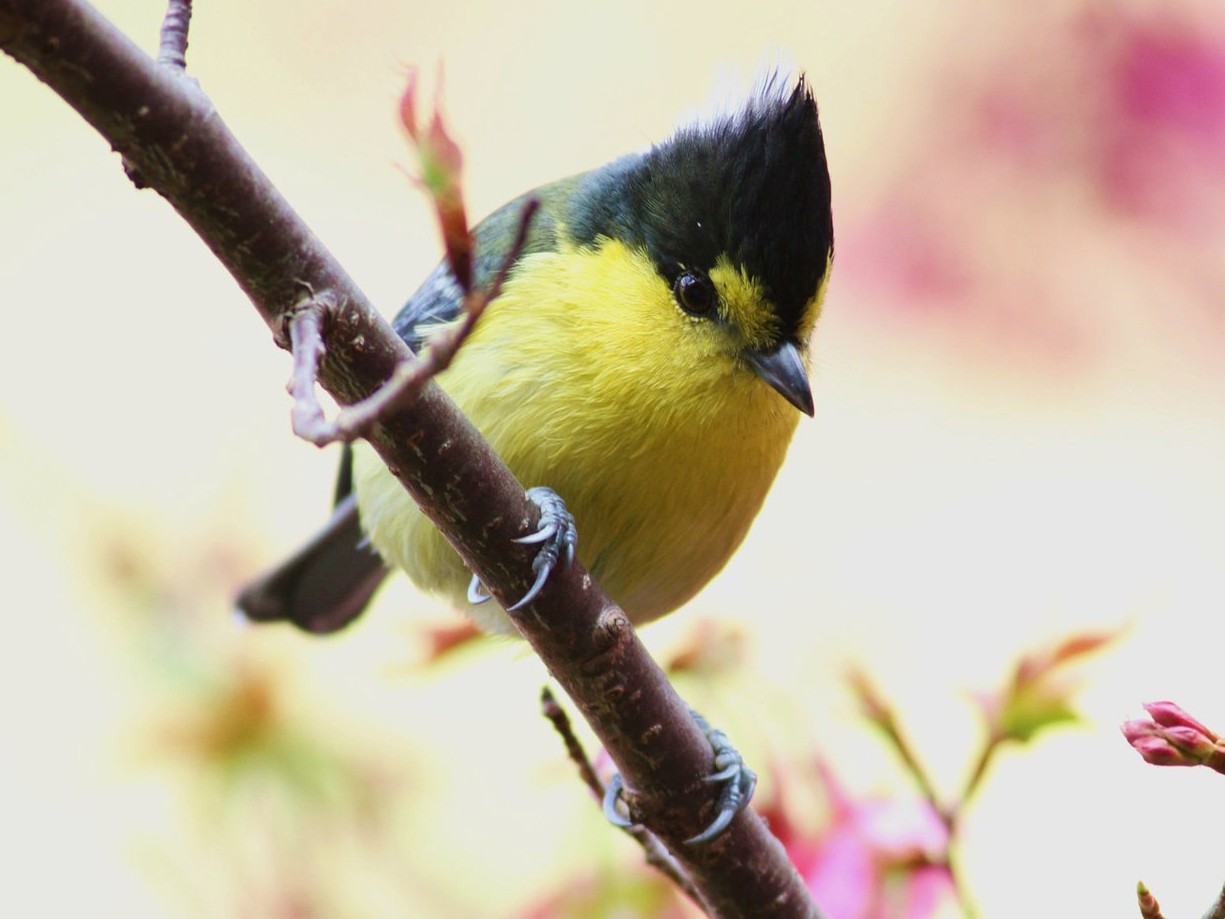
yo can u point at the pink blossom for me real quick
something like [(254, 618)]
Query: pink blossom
[(878, 858), (1166, 112)]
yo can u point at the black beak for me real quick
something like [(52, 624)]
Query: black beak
[(783, 369)]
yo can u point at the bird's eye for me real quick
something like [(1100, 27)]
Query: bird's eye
[(694, 292)]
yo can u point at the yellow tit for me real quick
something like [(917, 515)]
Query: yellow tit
[(646, 360)]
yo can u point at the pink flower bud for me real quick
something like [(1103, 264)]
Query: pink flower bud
[(1171, 715), (1156, 751), (1138, 729), (1174, 738), (441, 162)]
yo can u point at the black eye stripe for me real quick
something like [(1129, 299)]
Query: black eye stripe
[(694, 292)]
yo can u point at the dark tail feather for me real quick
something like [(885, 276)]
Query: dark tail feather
[(323, 586)]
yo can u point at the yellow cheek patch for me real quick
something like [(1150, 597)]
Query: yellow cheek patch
[(743, 303)]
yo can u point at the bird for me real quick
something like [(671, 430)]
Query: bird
[(645, 363), (644, 367)]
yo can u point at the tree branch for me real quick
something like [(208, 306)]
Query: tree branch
[(160, 121)]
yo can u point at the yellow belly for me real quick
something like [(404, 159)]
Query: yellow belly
[(662, 450)]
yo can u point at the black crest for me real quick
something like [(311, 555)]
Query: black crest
[(754, 186)]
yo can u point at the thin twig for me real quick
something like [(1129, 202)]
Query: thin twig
[(172, 48), (551, 709), (950, 816), (957, 879), (306, 344), (910, 760), (985, 757), (409, 377), (880, 713), (526, 216), (656, 855)]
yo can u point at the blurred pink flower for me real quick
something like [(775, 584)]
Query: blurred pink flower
[(1131, 104), (1164, 117), (904, 250), (440, 640), (1022, 176), (877, 859)]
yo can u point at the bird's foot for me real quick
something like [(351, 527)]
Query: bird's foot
[(559, 536), (736, 779)]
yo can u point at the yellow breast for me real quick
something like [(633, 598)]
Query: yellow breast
[(586, 377)]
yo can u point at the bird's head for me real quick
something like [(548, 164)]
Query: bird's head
[(734, 216)]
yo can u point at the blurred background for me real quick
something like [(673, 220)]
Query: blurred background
[(1020, 386)]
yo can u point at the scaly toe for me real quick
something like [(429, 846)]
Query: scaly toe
[(557, 536)]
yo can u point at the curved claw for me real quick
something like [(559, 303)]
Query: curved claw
[(542, 575), (612, 794), (723, 774), (476, 592), (738, 781), (558, 535), (717, 826), (539, 536)]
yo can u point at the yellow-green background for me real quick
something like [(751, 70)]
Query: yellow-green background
[(1031, 444)]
